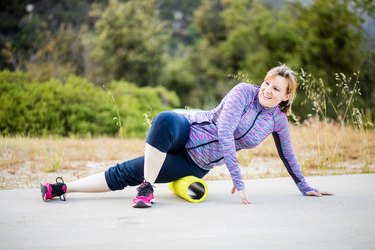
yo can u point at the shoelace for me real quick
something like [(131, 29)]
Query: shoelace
[(60, 191), (145, 189)]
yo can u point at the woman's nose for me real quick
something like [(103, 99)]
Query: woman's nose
[(268, 89)]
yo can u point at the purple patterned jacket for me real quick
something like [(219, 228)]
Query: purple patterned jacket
[(239, 122)]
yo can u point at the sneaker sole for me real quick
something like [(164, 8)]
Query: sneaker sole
[(43, 190), (141, 204)]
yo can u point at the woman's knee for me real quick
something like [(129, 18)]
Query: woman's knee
[(169, 131), (161, 134), (164, 118)]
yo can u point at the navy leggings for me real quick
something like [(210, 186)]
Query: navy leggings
[(169, 133)]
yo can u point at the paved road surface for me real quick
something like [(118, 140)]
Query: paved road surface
[(279, 218)]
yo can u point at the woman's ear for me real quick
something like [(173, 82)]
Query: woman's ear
[(287, 97)]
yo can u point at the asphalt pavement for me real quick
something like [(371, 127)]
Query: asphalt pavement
[(278, 218)]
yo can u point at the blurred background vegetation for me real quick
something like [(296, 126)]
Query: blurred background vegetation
[(104, 67)]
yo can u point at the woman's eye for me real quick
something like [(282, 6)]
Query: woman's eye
[(276, 89), (267, 83)]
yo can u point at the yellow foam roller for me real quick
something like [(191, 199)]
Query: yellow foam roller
[(189, 188)]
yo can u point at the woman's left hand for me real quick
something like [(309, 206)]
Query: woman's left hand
[(242, 194), (319, 193)]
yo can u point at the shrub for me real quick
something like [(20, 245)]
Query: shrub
[(53, 108), (77, 107)]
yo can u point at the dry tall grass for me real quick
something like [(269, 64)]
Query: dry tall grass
[(24, 162)]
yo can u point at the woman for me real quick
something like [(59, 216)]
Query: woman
[(179, 145)]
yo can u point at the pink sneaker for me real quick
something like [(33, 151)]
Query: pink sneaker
[(50, 191), (145, 197)]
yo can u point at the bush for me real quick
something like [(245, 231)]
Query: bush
[(77, 107)]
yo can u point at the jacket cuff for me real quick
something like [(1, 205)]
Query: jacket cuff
[(304, 188), (239, 185)]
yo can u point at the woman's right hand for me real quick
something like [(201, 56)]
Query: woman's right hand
[(242, 194), (319, 193)]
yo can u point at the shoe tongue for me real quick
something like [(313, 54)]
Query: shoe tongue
[(145, 184), (145, 189)]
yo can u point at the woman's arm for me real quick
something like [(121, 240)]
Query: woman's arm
[(281, 136), (233, 106)]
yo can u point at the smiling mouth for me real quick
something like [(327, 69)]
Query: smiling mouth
[(266, 96)]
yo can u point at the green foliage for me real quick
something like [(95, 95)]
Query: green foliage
[(129, 43), (178, 15), (74, 107), (61, 56), (365, 6), (137, 106), (367, 81), (252, 39), (323, 37), (332, 37), (190, 47), (77, 107), (209, 21), (177, 75)]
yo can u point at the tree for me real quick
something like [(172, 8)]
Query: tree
[(62, 55), (28, 26), (332, 41), (332, 35), (179, 15), (323, 37), (129, 43), (239, 36)]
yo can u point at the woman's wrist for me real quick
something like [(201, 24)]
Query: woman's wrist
[(304, 188)]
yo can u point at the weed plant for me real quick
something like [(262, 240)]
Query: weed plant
[(342, 102), (117, 117)]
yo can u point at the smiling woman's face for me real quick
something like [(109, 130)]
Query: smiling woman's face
[(273, 91)]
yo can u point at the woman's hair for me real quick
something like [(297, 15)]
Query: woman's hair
[(291, 77)]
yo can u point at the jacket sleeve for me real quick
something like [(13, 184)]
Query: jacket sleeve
[(281, 136), (233, 106)]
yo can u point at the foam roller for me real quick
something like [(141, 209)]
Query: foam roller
[(189, 188)]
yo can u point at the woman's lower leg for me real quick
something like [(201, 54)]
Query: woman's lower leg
[(91, 184), (154, 160)]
